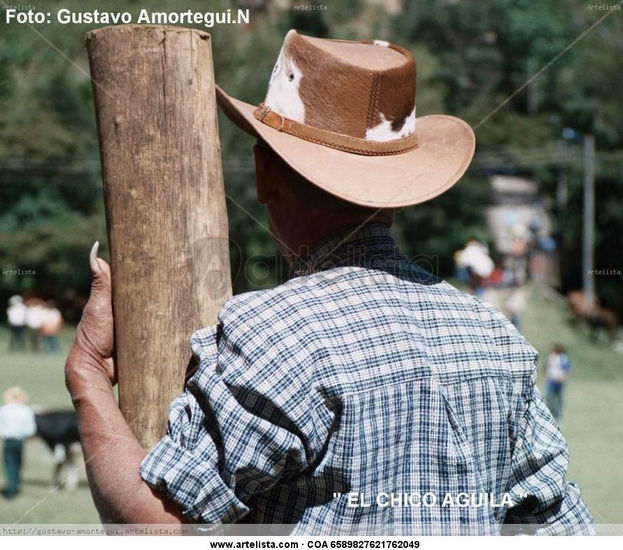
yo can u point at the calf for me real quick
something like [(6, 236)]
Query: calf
[(595, 315), (59, 431)]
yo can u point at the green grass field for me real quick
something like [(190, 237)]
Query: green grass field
[(41, 375), (593, 415), (592, 423)]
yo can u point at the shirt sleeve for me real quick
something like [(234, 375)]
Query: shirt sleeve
[(218, 452), (542, 498)]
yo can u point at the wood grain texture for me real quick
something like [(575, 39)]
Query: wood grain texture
[(165, 206)]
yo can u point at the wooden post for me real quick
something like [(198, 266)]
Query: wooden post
[(165, 206)]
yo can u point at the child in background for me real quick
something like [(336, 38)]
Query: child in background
[(557, 370), (17, 423)]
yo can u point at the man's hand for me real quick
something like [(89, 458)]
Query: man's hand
[(112, 453), (91, 355)]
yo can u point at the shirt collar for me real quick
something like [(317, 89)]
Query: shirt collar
[(370, 245)]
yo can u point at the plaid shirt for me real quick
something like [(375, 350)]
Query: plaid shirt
[(362, 378)]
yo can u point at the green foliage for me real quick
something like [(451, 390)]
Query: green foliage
[(432, 234), (472, 58)]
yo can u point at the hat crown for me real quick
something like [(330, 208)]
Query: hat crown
[(365, 90)]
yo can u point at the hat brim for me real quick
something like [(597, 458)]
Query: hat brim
[(445, 149)]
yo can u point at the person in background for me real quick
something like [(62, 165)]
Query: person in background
[(16, 317), (557, 370), (474, 264), (35, 308), (51, 325), (17, 423)]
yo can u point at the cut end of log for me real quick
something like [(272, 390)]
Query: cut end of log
[(120, 29)]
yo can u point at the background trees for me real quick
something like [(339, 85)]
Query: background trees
[(471, 56)]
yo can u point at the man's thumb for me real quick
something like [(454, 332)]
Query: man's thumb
[(101, 274), (95, 331)]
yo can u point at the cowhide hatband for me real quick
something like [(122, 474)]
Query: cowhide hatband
[(334, 140)]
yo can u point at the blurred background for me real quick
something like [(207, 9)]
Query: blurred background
[(535, 227)]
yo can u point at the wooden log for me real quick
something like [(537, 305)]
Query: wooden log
[(165, 206)]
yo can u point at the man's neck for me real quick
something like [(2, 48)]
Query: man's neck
[(310, 235)]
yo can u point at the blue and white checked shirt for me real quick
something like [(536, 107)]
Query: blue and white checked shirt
[(363, 378)]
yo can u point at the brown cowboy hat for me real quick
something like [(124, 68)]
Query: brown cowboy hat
[(342, 114)]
